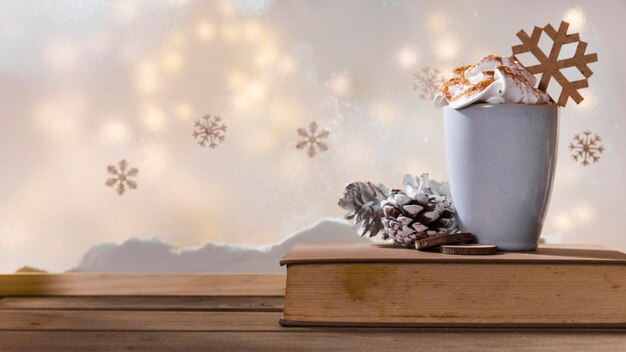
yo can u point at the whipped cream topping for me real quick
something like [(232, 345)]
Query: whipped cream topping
[(493, 80)]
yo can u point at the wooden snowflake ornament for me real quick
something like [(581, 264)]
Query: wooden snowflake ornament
[(550, 65)]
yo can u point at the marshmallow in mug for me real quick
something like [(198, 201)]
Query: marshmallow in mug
[(493, 80)]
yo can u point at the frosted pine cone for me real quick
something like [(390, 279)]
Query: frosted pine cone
[(417, 213), (363, 200)]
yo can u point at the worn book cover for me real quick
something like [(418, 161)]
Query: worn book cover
[(382, 285)]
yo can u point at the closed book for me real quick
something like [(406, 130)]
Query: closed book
[(384, 285)]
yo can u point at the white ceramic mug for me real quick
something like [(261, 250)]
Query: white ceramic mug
[(501, 161)]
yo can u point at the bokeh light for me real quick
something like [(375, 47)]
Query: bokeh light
[(576, 18)]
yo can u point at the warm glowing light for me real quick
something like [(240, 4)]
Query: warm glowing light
[(172, 61), (236, 79), (562, 222), (147, 78), (407, 57), (62, 55), (266, 55), (184, 111), (230, 33), (583, 213), (589, 100), (446, 48), (437, 22), (252, 30), (340, 84), (247, 93), (114, 132), (205, 30), (576, 19), (241, 102), (152, 117), (256, 90)]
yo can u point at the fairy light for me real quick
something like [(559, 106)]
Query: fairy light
[(562, 222), (205, 30), (252, 30), (172, 61), (240, 102), (446, 48), (583, 213), (576, 18), (407, 57), (437, 22), (247, 93), (184, 111), (114, 132), (589, 101), (230, 33), (340, 84), (256, 90), (266, 55), (147, 78), (236, 79), (152, 117)]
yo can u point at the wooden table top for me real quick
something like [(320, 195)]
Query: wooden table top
[(242, 323)]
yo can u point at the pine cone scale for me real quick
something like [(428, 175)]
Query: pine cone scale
[(404, 216)]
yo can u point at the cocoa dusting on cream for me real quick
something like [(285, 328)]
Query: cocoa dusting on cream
[(477, 88), (511, 82)]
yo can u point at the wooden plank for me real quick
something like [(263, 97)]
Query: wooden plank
[(98, 320), (143, 303), (363, 340), (93, 320), (142, 284)]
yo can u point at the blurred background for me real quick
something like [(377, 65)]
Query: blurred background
[(87, 84)]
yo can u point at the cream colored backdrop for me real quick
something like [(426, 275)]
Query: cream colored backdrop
[(85, 84)]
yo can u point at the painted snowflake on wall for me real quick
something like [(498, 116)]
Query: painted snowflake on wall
[(586, 148), (312, 139), (209, 129), (121, 177), (427, 82)]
